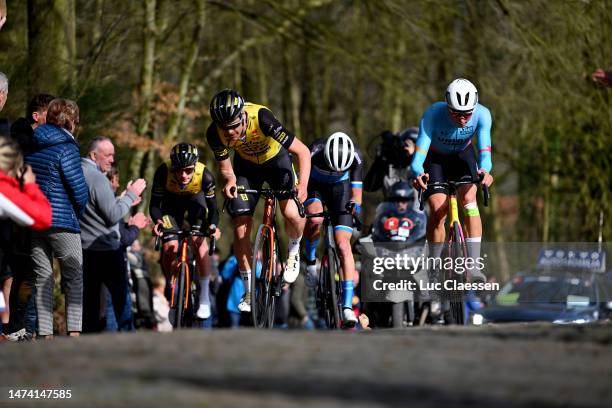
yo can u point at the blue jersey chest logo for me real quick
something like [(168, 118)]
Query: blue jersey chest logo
[(455, 136)]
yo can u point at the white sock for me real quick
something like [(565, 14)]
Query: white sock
[(473, 246), (294, 245), (205, 291), (246, 279)]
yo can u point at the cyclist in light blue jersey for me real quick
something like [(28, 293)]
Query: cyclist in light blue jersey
[(444, 151)]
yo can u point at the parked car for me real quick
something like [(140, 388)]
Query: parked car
[(545, 295)]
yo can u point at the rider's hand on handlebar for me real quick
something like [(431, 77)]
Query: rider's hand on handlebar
[(354, 207), (230, 189), (215, 232), (157, 228), (487, 178), (420, 182)]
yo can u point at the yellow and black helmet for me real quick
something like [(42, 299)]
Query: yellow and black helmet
[(226, 106), (184, 155)]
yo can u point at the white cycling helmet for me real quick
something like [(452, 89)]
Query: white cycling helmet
[(461, 95), (339, 151)]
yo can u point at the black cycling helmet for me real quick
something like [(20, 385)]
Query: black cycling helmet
[(184, 155), (226, 106), (411, 133), (401, 191)]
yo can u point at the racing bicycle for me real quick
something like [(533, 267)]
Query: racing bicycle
[(267, 279), (184, 294), (457, 248), (328, 289)]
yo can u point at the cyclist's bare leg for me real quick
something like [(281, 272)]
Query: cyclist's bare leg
[(436, 234), (312, 230), (243, 250), (242, 241), (294, 224), (200, 249), (343, 243), (473, 225), (438, 207), (169, 261), (471, 219), (294, 227), (347, 262)]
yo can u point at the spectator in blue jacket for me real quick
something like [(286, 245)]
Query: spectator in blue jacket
[(57, 164)]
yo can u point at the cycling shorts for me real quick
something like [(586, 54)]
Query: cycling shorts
[(192, 210), (334, 197), (442, 168), (278, 172)]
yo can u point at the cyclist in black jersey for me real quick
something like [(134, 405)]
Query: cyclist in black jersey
[(335, 181), (263, 146), (184, 186)]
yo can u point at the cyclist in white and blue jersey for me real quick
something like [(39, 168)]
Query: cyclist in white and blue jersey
[(444, 152), (336, 179)]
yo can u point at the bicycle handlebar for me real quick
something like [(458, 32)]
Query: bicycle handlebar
[(268, 192), (485, 189), (189, 233)]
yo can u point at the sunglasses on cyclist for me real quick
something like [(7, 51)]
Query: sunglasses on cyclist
[(461, 114), (233, 125)]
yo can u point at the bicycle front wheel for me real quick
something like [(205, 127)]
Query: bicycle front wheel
[(179, 296), (328, 291), (262, 278), (456, 298)]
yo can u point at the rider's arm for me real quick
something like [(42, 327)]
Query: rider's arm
[(271, 127), (208, 187), (220, 151), (302, 152), (356, 177), (484, 139), (422, 144), (157, 193), (227, 171)]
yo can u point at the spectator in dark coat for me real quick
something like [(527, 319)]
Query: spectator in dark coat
[(57, 165), (20, 263), (128, 232)]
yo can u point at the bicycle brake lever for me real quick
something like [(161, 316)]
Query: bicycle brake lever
[(211, 246)]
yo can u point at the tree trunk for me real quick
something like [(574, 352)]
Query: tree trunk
[(52, 47), (186, 72), (146, 82)]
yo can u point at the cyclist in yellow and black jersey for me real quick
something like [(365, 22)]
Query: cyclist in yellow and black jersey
[(264, 149), (184, 186)]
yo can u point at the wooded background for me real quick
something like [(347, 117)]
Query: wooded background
[(143, 73)]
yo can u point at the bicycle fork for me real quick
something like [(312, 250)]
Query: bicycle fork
[(183, 260)]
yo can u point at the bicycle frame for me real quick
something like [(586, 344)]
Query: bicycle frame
[(270, 279), (178, 282), (329, 283), (454, 214), (183, 258), (268, 224), (456, 239)]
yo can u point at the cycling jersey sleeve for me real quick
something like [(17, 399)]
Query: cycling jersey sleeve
[(220, 151), (208, 187), (157, 193), (356, 171), (270, 126), (422, 144), (484, 139)]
